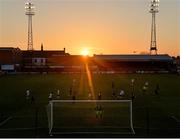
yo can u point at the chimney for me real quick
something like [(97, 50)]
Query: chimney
[(64, 50), (41, 47)]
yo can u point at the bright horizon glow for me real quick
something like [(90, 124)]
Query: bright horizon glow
[(103, 26), (85, 52)]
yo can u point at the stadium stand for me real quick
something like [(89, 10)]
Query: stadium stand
[(60, 61), (135, 63)]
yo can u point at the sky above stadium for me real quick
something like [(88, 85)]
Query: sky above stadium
[(97, 26)]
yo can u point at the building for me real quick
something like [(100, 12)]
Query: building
[(13, 59), (40, 60), (10, 59), (177, 62), (134, 63)]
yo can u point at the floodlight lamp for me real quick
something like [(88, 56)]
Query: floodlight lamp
[(29, 6)]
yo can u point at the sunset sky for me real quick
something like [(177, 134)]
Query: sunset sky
[(99, 26)]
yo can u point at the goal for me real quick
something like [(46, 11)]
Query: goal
[(90, 116)]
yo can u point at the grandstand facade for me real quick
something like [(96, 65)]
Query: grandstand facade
[(10, 59), (135, 63), (60, 61)]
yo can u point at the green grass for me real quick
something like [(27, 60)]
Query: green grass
[(161, 108)]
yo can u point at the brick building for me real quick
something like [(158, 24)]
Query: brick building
[(10, 59), (13, 59), (40, 60)]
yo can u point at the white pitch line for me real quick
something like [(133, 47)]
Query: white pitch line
[(116, 127), (176, 119), (3, 122), (7, 129), (117, 133)]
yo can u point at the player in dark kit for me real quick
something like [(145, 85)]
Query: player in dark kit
[(113, 89), (156, 91), (70, 91), (99, 96), (99, 111), (32, 100), (74, 97)]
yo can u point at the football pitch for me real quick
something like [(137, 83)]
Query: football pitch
[(154, 115)]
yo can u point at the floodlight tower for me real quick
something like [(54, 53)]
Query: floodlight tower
[(30, 12), (154, 8)]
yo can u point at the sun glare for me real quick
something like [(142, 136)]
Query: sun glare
[(85, 52)]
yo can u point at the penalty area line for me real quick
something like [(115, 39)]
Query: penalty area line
[(176, 119), (5, 121)]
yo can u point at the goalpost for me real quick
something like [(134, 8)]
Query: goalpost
[(80, 116)]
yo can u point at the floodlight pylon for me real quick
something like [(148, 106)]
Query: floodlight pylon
[(30, 12), (154, 8)]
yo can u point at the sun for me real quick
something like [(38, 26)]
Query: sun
[(85, 52)]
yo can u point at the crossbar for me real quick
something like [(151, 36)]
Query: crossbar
[(89, 101)]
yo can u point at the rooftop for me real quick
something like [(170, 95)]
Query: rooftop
[(162, 57)]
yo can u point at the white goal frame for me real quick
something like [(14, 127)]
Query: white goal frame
[(51, 120)]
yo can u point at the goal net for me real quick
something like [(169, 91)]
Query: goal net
[(90, 116)]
